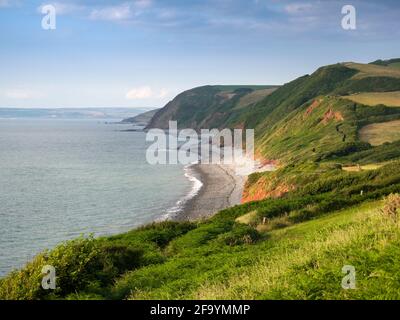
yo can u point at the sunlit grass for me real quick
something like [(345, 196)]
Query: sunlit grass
[(307, 260), (379, 133), (372, 166), (371, 70), (390, 99)]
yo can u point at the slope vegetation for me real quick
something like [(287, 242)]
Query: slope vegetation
[(208, 106), (297, 227), (390, 99), (142, 119)]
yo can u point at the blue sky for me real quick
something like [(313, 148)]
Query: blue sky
[(141, 53)]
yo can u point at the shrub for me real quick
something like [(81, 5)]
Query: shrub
[(84, 264), (240, 234), (24, 284), (198, 237), (392, 205), (162, 233)]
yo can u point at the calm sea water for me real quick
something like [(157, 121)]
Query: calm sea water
[(60, 179)]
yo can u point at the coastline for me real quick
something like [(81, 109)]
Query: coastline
[(221, 189)]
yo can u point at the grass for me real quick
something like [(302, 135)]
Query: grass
[(379, 133), (187, 260), (254, 97), (371, 70), (395, 65), (372, 155), (305, 260), (372, 166), (327, 214), (202, 262), (247, 218), (235, 87), (297, 251), (390, 99), (389, 62)]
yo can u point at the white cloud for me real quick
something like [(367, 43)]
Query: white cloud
[(140, 93), (143, 3), (8, 3), (22, 94), (63, 7), (113, 13), (146, 92), (120, 12), (297, 8), (163, 93)]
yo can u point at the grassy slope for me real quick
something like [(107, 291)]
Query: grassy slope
[(313, 124), (370, 70), (254, 97), (208, 106), (391, 62), (266, 113), (321, 128), (326, 217), (305, 261), (293, 262), (311, 131), (390, 99), (143, 118), (379, 133), (222, 257)]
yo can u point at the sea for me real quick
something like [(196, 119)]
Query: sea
[(60, 179)]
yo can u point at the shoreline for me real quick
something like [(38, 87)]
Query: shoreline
[(222, 188)]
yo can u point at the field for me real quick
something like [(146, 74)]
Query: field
[(371, 70), (379, 133), (305, 261), (254, 97), (390, 99), (372, 166)]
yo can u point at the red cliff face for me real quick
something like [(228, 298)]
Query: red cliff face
[(312, 107), (330, 114), (263, 161), (263, 189)]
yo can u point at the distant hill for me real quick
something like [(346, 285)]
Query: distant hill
[(341, 112), (306, 108), (209, 106), (304, 114), (389, 63), (70, 113), (142, 119)]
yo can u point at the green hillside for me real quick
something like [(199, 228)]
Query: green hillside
[(298, 253), (209, 106), (394, 63), (333, 201), (142, 119)]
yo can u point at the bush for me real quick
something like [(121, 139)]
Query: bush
[(24, 284), (240, 234), (159, 234), (205, 233), (162, 233), (392, 205), (84, 264)]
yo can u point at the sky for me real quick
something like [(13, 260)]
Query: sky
[(142, 53)]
